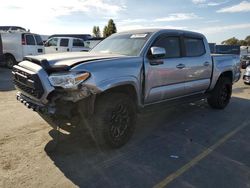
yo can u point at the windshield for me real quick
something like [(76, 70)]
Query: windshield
[(123, 44)]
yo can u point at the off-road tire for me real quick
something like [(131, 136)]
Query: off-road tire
[(221, 94), (113, 121)]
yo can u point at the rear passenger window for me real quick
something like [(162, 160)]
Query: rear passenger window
[(78, 43), (64, 42), (171, 45), (194, 47), (30, 40)]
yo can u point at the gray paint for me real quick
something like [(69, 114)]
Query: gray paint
[(162, 82)]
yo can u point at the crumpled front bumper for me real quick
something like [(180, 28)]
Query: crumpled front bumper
[(31, 104)]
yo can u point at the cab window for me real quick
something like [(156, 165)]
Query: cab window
[(78, 43), (64, 42), (52, 42), (39, 40), (171, 45), (194, 47), (30, 40)]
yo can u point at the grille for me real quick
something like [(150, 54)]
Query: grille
[(28, 82)]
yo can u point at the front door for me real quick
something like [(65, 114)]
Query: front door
[(39, 45), (29, 48), (51, 46), (165, 77)]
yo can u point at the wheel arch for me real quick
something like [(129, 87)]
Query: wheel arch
[(228, 74), (5, 55)]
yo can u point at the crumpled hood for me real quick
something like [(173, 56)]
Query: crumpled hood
[(70, 59)]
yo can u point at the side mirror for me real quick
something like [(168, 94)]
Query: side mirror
[(158, 52)]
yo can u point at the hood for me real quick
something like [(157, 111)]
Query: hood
[(68, 59)]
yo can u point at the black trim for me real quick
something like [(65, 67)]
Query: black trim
[(28, 82)]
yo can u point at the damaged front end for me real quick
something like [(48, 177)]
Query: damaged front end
[(58, 95)]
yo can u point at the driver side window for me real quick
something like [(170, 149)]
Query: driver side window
[(171, 45), (52, 42)]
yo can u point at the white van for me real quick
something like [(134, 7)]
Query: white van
[(18, 44), (64, 44)]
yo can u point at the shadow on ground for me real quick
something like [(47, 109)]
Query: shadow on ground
[(6, 83), (164, 141)]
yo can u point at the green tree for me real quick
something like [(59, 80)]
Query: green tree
[(231, 41), (247, 39), (242, 43), (105, 32), (96, 31), (109, 29)]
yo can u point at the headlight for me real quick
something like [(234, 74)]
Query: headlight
[(69, 80)]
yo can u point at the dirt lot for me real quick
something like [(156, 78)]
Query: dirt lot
[(186, 146)]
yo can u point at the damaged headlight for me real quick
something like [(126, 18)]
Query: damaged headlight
[(68, 80)]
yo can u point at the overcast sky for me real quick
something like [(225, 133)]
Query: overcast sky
[(218, 20)]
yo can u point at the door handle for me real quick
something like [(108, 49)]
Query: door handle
[(56, 49), (180, 66), (67, 49), (206, 64)]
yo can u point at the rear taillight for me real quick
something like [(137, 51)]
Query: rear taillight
[(23, 40)]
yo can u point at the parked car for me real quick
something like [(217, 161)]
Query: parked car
[(18, 43), (246, 76), (244, 51), (245, 61), (64, 44), (84, 37), (91, 43), (106, 87)]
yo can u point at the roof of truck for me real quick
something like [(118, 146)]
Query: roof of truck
[(156, 30)]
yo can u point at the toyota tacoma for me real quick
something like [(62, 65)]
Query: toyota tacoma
[(106, 87)]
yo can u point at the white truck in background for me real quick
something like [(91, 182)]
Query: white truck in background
[(64, 44), (19, 43)]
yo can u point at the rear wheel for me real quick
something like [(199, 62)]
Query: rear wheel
[(113, 122), (221, 94), (10, 61)]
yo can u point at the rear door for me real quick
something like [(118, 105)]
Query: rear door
[(29, 47), (78, 45), (198, 64), (63, 45), (39, 45), (165, 77)]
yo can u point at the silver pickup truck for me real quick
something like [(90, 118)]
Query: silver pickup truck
[(106, 87)]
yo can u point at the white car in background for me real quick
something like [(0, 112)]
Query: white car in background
[(91, 43), (64, 44), (18, 44)]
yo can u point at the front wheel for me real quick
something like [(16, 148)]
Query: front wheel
[(113, 122), (221, 94), (10, 61)]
